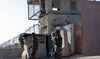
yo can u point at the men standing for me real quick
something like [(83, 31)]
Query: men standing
[(58, 43), (52, 52), (34, 46)]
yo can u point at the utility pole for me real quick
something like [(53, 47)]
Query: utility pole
[(9, 49)]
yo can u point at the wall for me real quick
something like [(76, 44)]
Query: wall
[(43, 25), (45, 21), (69, 38), (10, 53), (70, 35), (66, 51), (49, 19), (64, 5), (60, 19), (14, 51), (41, 52), (91, 27)]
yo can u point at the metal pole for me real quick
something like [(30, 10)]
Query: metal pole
[(9, 49)]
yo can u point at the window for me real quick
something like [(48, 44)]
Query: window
[(72, 5), (55, 5), (44, 30), (43, 4)]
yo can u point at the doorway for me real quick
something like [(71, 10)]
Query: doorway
[(78, 38)]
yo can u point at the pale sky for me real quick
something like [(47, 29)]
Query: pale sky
[(13, 18)]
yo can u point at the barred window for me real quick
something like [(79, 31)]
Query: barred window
[(43, 4), (56, 4), (72, 5)]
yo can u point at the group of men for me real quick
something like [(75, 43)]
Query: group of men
[(56, 38), (57, 44), (33, 47), (57, 41)]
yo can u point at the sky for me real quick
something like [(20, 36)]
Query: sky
[(13, 18)]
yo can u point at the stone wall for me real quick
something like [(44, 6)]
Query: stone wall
[(10, 53)]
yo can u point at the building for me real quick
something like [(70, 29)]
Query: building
[(59, 14), (90, 11)]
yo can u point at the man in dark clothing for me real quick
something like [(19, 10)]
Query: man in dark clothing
[(34, 46), (58, 43)]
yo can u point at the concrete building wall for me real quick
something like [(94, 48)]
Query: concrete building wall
[(68, 36), (15, 51), (90, 11), (66, 51), (68, 40), (65, 6), (10, 53), (43, 25), (61, 19), (42, 52), (49, 19)]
